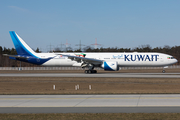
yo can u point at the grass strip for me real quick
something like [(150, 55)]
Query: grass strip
[(35, 85), (92, 116)]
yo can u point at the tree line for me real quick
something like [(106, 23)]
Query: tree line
[(6, 62)]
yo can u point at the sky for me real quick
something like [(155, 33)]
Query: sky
[(115, 23)]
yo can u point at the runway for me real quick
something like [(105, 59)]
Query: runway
[(120, 75), (161, 103)]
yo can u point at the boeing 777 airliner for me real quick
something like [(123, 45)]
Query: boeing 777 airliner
[(107, 61)]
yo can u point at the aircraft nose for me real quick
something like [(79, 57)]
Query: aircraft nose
[(176, 60)]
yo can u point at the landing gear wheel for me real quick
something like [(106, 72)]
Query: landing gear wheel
[(86, 71), (94, 71), (90, 71), (163, 71)]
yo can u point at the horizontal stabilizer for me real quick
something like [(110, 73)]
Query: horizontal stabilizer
[(16, 56)]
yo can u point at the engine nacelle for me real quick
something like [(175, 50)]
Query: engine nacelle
[(110, 66)]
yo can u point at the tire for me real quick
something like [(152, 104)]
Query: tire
[(86, 71), (90, 71), (163, 71)]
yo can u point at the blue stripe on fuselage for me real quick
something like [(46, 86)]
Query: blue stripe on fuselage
[(32, 60), (37, 61)]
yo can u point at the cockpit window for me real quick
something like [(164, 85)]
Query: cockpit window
[(170, 58)]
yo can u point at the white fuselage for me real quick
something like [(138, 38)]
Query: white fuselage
[(133, 59)]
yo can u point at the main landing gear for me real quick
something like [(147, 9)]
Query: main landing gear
[(90, 68), (90, 71)]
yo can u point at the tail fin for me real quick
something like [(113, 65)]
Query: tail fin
[(21, 47)]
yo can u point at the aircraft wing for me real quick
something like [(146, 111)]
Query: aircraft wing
[(16, 56), (83, 59)]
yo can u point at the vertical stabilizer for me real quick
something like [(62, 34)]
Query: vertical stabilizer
[(21, 47)]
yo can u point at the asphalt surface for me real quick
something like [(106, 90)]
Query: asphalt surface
[(90, 110), (165, 103), (153, 103), (122, 75)]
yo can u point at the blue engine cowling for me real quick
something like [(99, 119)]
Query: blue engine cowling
[(110, 66)]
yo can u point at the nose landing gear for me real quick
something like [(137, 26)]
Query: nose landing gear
[(163, 71)]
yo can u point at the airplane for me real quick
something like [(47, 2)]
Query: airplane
[(107, 61)]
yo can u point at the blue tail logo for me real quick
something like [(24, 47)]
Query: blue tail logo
[(21, 47)]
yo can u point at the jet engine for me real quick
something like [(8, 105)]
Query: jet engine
[(110, 66)]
